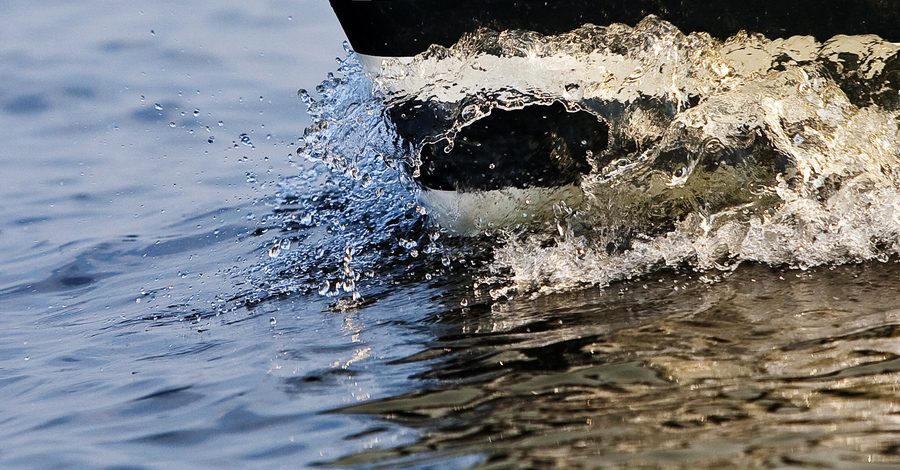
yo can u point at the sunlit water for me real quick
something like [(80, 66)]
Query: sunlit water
[(190, 279)]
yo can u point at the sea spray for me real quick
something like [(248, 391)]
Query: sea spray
[(781, 151)]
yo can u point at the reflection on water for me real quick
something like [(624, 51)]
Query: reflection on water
[(766, 368)]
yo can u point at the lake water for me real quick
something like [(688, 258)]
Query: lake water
[(181, 288)]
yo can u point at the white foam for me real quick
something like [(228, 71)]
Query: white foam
[(784, 152)]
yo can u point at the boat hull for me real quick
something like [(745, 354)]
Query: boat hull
[(403, 28)]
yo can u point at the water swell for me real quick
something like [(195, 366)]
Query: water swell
[(780, 151)]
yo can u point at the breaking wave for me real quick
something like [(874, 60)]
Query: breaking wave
[(782, 152)]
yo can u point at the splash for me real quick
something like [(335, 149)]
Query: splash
[(349, 208), (776, 151), (782, 152)]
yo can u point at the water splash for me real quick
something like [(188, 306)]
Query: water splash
[(776, 151), (343, 214), (782, 152)]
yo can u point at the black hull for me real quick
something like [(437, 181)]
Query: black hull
[(402, 28)]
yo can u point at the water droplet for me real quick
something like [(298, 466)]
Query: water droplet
[(221, 123), (172, 124), (211, 139), (196, 112), (158, 107), (274, 250), (272, 321), (464, 302)]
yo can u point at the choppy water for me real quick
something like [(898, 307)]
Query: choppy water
[(190, 279)]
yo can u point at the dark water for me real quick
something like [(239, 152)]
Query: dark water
[(148, 169)]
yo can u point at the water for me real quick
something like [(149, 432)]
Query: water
[(236, 291)]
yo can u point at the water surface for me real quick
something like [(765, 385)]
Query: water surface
[(180, 287)]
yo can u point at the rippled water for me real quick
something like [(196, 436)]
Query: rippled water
[(190, 279)]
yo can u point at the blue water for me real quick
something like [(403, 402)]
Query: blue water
[(125, 217), (148, 161)]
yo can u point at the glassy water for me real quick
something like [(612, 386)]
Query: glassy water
[(190, 279)]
